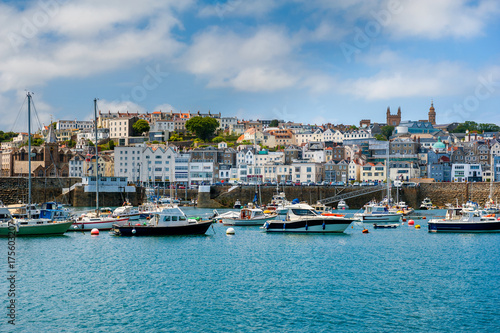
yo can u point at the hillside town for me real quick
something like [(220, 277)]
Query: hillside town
[(268, 151)]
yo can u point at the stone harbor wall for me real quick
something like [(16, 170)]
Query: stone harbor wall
[(15, 190)]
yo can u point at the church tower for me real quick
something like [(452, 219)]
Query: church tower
[(432, 114), (393, 119)]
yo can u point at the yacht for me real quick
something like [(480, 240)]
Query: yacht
[(377, 213), (342, 205), (426, 204), (247, 217), (321, 208), (458, 221), (127, 211), (302, 218), (170, 221)]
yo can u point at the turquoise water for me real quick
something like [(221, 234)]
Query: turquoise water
[(389, 280)]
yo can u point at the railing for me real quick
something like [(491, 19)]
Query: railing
[(353, 194)]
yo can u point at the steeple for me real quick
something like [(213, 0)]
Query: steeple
[(432, 114)]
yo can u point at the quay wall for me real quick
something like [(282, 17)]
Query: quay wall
[(439, 193), (15, 190)]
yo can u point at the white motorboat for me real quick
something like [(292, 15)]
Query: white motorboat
[(127, 211), (378, 213), (302, 218), (247, 217), (322, 208), (342, 205), (427, 204)]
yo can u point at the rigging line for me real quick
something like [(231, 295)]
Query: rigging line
[(36, 115), (18, 114)]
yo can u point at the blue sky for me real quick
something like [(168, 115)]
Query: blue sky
[(313, 61)]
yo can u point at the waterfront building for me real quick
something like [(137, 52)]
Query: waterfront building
[(307, 172), (76, 168), (496, 167), (373, 172), (463, 172)]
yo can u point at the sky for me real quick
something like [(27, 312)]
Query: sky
[(309, 61)]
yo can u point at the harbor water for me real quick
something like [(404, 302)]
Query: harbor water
[(388, 280)]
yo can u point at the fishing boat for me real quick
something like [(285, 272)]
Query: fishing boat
[(170, 221), (237, 204), (55, 211), (470, 206), (378, 213), (96, 219), (29, 226), (465, 222), (342, 205), (302, 218), (247, 217), (427, 204), (402, 208), (22, 211), (127, 211)]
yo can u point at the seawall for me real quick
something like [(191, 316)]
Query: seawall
[(439, 193)]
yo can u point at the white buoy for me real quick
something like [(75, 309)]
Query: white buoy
[(230, 231), (133, 231), (94, 231)]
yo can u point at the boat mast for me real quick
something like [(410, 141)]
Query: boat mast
[(387, 174), (29, 156), (96, 159)]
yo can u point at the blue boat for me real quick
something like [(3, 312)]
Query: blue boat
[(55, 211)]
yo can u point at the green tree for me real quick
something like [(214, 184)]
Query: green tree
[(141, 126), (203, 127), (387, 131), (218, 139), (380, 137), (274, 123), (111, 145)]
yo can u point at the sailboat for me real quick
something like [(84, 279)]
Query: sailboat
[(379, 212), (30, 226), (95, 219)]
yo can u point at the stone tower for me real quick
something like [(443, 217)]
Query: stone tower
[(393, 119), (432, 114)]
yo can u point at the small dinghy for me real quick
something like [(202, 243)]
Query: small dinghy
[(380, 226)]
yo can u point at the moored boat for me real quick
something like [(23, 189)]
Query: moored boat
[(247, 217), (169, 222), (342, 205), (127, 211), (378, 213), (302, 218), (427, 204), (467, 222)]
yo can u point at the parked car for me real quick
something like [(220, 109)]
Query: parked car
[(288, 183), (355, 184)]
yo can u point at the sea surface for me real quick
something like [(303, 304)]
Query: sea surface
[(389, 280)]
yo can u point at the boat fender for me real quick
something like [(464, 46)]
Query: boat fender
[(284, 226), (137, 224), (266, 225), (306, 226), (324, 225), (133, 231)]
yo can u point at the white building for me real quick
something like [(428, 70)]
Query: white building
[(462, 172)]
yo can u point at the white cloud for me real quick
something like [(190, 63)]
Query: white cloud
[(259, 62), (238, 8), (431, 19)]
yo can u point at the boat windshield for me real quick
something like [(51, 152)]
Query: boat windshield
[(303, 212)]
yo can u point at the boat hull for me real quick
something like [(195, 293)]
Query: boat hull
[(199, 228), (238, 222), (308, 226), (58, 228), (454, 226), (384, 218), (101, 225)]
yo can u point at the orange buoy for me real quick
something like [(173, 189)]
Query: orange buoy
[(365, 231), (411, 222), (94, 231), (423, 218), (404, 220)]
